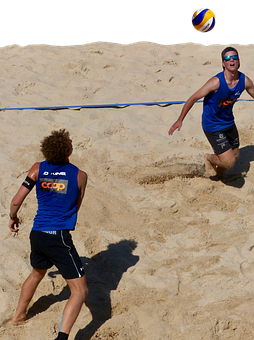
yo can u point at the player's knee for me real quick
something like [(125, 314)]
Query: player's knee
[(79, 288), (84, 289), (83, 292)]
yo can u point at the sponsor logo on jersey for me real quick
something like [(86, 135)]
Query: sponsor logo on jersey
[(61, 173), (227, 102), (54, 185)]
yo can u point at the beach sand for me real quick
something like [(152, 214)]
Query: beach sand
[(169, 252)]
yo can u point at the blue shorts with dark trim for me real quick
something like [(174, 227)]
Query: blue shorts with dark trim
[(55, 248), (223, 140)]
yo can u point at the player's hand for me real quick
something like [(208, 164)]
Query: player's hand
[(177, 125), (14, 225)]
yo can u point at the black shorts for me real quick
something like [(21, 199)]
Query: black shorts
[(223, 140), (55, 248)]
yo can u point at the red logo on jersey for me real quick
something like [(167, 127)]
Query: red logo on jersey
[(227, 102), (54, 185)]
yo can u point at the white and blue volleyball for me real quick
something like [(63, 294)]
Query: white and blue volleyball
[(203, 20)]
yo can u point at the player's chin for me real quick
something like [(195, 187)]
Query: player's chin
[(233, 67)]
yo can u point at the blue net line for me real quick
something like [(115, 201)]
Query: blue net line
[(97, 106)]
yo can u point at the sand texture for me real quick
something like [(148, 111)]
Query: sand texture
[(169, 252)]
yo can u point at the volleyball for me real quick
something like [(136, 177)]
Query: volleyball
[(203, 20)]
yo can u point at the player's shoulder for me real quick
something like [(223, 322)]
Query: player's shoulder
[(214, 83), (211, 85), (82, 175), (248, 81), (33, 172), (35, 166), (215, 79)]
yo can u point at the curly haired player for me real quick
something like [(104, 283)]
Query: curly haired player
[(60, 188)]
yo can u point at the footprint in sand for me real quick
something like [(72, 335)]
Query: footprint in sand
[(247, 269)]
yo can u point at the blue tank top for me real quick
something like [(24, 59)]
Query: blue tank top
[(57, 192), (218, 106)]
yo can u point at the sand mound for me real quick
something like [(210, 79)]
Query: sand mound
[(166, 173)]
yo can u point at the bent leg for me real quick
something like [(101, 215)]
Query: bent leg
[(27, 292), (220, 170), (79, 292), (220, 163)]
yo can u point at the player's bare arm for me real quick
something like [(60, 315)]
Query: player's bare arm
[(249, 86), (19, 198), (211, 85), (82, 182)]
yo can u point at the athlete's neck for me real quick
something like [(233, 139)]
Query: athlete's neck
[(231, 75)]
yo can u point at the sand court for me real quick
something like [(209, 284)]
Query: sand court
[(168, 251)]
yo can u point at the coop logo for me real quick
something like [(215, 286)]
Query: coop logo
[(54, 185)]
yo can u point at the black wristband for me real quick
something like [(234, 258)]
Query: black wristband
[(13, 218)]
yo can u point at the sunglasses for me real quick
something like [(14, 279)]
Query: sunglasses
[(228, 57)]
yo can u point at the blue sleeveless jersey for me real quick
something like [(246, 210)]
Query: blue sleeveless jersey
[(218, 106), (57, 192)]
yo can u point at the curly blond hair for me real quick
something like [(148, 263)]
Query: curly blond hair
[(56, 147)]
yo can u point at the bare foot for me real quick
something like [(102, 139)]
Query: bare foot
[(18, 319), (210, 169)]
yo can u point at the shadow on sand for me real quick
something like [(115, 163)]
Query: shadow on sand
[(103, 274)]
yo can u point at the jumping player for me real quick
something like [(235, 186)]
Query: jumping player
[(60, 188), (220, 93)]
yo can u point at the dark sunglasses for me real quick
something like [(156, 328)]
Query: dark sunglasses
[(228, 57)]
